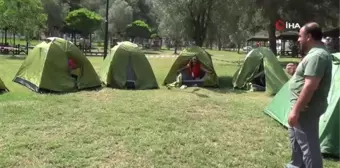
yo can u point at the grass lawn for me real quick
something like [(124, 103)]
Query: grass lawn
[(152, 128)]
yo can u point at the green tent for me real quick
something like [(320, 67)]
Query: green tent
[(184, 57), (329, 126), (45, 68), (127, 65), (3, 88), (261, 68)]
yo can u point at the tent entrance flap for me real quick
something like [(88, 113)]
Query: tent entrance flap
[(260, 78), (3, 88), (126, 65), (130, 75)]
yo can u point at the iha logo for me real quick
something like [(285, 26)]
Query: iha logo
[(281, 25)]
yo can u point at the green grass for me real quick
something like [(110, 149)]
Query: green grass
[(152, 128)]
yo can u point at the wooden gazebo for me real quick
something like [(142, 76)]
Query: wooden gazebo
[(260, 39), (334, 32), (335, 37), (288, 36)]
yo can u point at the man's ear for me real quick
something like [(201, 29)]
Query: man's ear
[(309, 37)]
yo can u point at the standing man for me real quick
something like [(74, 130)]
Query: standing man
[(309, 88)]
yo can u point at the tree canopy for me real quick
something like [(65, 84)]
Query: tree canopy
[(138, 29), (84, 20), (205, 22), (22, 16)]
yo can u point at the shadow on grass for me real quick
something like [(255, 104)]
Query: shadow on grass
[(199, 94), (226, 81), (194, 91), (49, 92), (226, 86), (331, 157)]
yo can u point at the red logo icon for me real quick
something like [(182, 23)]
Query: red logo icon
[(280, 25)]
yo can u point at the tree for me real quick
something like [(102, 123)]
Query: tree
[(56, 11), (74, 4), (173, 28), (22, 16), (84, 21), (95, 5), (138, 29), (222, 22), (196, 15), (142, 10), (302, 11), (120, 15)]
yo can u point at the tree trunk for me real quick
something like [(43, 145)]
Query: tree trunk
[(199, 33), (168, 43), (84, 45), (211, 44), (238, 48), (199, 38), (27, 46), (75, 38), (90, 43), (2, 37), (176, 47), (14, 44), (272, 37), (6, 36), (219, 41)]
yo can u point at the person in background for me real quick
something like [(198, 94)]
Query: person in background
[(309, 87), (73, 68), (195, 69)]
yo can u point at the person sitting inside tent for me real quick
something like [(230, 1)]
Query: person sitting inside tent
[(259, 80), (193, 73), (291, 68), (195, 70), (73, 68)]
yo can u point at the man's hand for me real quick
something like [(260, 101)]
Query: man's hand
[(207, 71), (311, 84), (293, 118)]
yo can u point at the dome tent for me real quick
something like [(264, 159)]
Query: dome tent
[(45, 68), (127, 67), (260, 67), (3, 88), (184, 57)]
